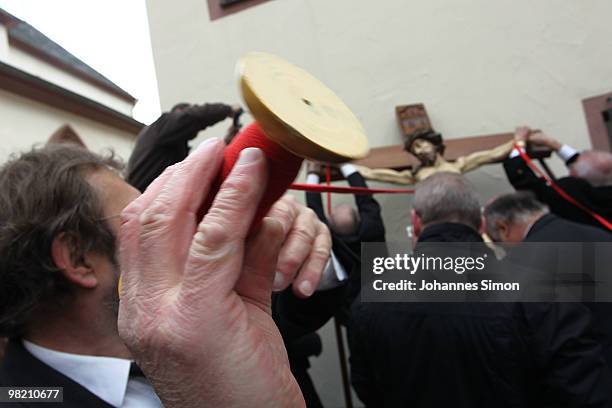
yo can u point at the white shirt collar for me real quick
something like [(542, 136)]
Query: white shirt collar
[(105, 377)]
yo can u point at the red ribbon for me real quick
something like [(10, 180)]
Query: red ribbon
[(317, 188), (560, 191), (328, 182)]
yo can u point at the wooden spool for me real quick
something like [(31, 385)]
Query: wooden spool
[(299, 112)]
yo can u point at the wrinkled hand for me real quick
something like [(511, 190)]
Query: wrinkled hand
[(521, 134), (542, 139), (306, 249), (195, 306), (314, 167)]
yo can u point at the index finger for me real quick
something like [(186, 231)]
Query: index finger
[(217, 249)]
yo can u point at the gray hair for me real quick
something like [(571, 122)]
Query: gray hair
[(594, 166), (447, 197), (511, 208)]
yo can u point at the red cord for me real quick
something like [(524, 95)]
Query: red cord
[(317, 188), (328, 182), (560, 191), (283, 168)]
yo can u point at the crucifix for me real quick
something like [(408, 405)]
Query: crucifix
[(424, 152)]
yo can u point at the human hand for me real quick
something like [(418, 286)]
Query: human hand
[(314, 167), (306, 248), (542, 139), (521, 134), (236, 110), (195, 304)]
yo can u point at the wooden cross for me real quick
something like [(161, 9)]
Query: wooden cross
[(412, 118)]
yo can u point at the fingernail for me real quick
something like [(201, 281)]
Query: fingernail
[(279, 280), (249, 155), (306, 288)]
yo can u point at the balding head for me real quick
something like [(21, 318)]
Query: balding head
[(344, 219), (593, 166), (445, 197)]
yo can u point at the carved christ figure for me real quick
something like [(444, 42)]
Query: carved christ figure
[(428, 147)]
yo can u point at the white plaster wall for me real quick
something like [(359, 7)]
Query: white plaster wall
[(48, 72), (479, 66), (24, 123)]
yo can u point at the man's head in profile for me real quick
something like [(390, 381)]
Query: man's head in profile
[(426, 145), (509, 217), (344, 219), (593, 166), (59, 208)]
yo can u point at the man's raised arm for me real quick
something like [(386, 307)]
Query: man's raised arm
[(195, 302)]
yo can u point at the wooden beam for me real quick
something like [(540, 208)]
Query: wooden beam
[(396, 158)]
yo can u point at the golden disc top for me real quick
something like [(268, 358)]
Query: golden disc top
[(298, 112)]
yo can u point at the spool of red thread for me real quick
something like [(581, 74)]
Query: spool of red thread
[(283, 167), (296, 117)]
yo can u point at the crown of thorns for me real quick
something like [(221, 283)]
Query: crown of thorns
[(429, 135)]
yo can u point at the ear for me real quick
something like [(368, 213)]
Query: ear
[(417, 225), (67, 256), (502, 229)]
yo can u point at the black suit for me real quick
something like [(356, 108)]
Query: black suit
[(21, 369), (550, 228), (475, 355), (298, 320), (165, 141), (347, 248), (598, 199)]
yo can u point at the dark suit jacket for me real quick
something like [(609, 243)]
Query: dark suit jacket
[(598, 199), (550, 228), (21, 369), (475, 355), (347, 248), (298, 320), (165, 141)]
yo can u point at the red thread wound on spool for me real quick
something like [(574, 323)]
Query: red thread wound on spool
[(283, 168)]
